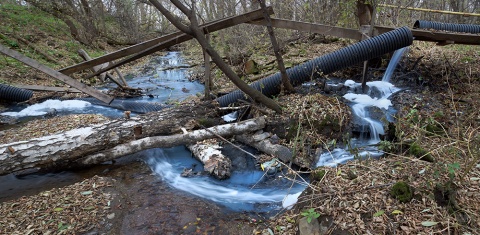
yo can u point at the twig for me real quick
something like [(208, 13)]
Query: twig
[(233, 108)]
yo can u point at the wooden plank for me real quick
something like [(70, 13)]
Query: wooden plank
[(312, 28), (439, 37), (175, 38), (48, 88), (211, 27), (431, 11), (423, 35), (60, 76)]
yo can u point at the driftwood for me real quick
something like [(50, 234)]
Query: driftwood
[(65, 148), (214, 162), (170, 141)]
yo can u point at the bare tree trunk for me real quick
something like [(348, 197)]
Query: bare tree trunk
[(364, 12), (194, 30)]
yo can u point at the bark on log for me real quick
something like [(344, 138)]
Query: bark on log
[(214, 162), (170, 141), (57, 151), (263, 143)]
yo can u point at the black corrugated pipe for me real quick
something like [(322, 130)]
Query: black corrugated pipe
[(127, 105), (348, 56), (11, 93), (463, 28)]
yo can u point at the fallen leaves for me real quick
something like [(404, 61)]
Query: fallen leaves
[(43, 127), (77, 208)]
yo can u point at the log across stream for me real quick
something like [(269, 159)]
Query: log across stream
[(247, 189)]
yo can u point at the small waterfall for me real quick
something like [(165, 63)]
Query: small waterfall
[(397, 55), (377, 98)]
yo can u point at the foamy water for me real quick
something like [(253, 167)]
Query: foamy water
[(378, 96), (47, 106), (247, 190)]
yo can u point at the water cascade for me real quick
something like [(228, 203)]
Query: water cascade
[(363, 105)]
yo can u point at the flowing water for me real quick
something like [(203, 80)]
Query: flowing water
[(248, 189), (363, 106)]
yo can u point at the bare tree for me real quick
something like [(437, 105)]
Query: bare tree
[(194, 30)]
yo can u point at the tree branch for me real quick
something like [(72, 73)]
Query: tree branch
[(172, 18), (217, 59)]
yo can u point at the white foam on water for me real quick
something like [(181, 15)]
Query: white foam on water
[(290, 200), (366, 100), (242, 190), (44, 107), (381, 91), (350, 83)]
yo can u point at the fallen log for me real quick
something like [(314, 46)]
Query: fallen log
[(61, 150), (214, 162), (170, 141), (64, 150), (262, 142)]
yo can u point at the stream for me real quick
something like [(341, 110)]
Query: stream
[(248, 190), (149, 185)]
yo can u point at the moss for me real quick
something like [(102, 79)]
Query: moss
[(402, 192), (317, 175), (434, 129), (417, 151), (207, 122)]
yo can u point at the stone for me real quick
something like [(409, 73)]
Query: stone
[(305, 228)]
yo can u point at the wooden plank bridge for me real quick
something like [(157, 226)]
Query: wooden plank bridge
[(256, 17)]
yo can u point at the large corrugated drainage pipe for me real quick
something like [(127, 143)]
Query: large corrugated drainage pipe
[(462, 28), (128, 105), (11, 93), (348, 56)]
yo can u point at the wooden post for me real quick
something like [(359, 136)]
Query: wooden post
[(367, 32), (60, 76), (286, 85), (96, 68), (208, 77), (122, 78)]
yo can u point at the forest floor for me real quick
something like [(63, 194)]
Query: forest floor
[(438, 117)]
